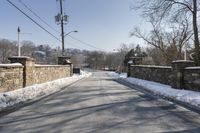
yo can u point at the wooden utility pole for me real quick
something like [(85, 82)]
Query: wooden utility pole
[(62, 27), (61, 19)]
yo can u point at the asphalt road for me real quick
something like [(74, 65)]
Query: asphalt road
[(99, 104)]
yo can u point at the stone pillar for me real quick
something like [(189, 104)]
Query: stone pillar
[(64, 60), (28, 70), (178, 72), (129, 68), (71, 69)]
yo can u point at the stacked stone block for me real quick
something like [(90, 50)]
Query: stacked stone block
[(11, 77), (159, 74), (48, 73)]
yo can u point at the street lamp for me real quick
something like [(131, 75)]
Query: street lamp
[(63, 47), (75, 31), (63, 58)]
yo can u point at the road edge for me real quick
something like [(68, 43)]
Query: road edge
[(145, 90), (17, 106)]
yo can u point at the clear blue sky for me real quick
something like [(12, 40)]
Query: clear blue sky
[(103, 23)]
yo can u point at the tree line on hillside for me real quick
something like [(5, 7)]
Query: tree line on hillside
[(44, 54), (115, 60)]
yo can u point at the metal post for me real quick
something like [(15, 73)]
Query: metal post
[(19, 48), (185, 53)]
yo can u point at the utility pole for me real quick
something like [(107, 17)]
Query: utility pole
[(61, 19), (62, 28)]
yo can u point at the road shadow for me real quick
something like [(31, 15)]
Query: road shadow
[(104, 106)]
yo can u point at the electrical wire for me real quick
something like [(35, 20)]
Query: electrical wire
[(33, 20), (71, 44), (35, 14), (90, 45)]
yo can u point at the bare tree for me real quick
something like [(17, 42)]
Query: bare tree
[(95, 59), (27, 48), (170, 42), (122, 52), (170, 9), (157, 56), (178, 38), (7, 49)]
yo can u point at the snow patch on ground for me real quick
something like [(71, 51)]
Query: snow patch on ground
[(117, 75), (11, 98), (186, 96)]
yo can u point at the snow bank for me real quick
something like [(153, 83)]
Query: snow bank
[(186, 96), (11, 98), (152, 66), (10, 65), (116, 75)]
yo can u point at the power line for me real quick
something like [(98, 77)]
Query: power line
[(77, 46), (33, 20), (90, 45), (34, 13)]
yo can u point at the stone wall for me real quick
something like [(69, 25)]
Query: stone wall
[(161, 74), (11, 77), (24, 72), (192, 78), (45, 73), (182, 74)]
